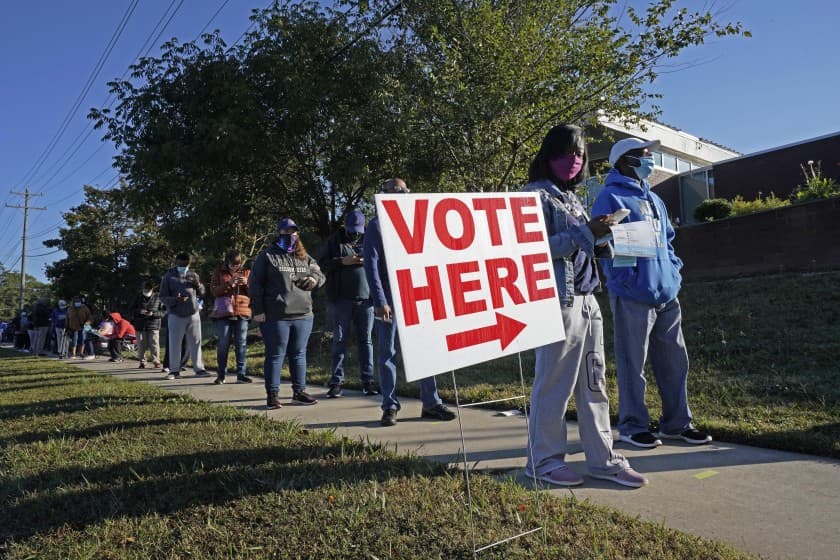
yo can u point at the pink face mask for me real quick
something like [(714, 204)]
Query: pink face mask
[(566, 167)]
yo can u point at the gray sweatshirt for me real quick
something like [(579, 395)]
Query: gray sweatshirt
[(274, 284)]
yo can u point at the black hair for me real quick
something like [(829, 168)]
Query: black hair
[(147, 285), (560, 140), (182, 257)]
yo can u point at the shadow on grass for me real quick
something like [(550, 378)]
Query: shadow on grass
[(93, 431), (76, 404), (173, 483), (51, 384)]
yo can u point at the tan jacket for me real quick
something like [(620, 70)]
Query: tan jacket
[(77, 317)]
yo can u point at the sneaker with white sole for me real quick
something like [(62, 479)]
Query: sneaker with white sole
[(562, 476), (172, 376), (626, 477), (692, 436), (302, 397), (642, 439), (219, 381)]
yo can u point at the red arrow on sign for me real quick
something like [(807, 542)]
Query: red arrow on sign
[(505, 330)]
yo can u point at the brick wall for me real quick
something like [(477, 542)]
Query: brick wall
[(804, 237)]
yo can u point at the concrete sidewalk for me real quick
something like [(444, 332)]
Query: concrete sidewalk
[(776, 504)]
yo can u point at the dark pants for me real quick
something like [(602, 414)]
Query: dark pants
[(359, 314), (115, 348)]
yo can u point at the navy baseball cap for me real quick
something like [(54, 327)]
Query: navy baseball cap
[(354, 222), (287, 223)]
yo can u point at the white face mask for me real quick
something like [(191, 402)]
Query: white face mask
[(147, 294)]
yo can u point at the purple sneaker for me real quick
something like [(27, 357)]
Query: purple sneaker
[(563, 476), (627, 477)]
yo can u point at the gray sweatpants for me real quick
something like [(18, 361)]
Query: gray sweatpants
[(645, 331), (178, 328), (575, 364)]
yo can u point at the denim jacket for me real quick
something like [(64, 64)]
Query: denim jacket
[(565, 237)]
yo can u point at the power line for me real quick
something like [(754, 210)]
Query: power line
[(33, 171)]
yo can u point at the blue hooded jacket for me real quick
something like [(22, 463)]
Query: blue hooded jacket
[(652, 280)]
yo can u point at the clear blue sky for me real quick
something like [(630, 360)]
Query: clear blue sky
[(778, 87)]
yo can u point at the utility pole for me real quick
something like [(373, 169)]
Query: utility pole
[(26, 208)]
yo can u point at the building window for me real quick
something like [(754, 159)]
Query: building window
[(683, 165), (657, 159), (669, 162)]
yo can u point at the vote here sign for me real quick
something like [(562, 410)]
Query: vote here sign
[(471, 277)]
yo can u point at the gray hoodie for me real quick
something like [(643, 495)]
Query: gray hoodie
[(173, 285), (274, 284)]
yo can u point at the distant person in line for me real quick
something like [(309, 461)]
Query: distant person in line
[(180, 290), (185, 355), (646, 312), (349, 302), (120, 331), (576, 364), (376, 272), (79, 318), (147, 312), (40, 318), (231, 313), (280, 285), (58, 323)]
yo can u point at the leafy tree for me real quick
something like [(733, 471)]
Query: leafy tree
[(319, 104), (221, 142), (109, 252), (484, 79), (10, 291)]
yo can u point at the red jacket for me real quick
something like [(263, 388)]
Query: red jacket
[(122, 328)]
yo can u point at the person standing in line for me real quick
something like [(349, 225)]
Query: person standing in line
[(180, 290), (376, 271), (349, 301), (79, 318), (646, 312), (40, 318), (575, 364), (147, 312), (58, 323), (231, 313), (280, 285)]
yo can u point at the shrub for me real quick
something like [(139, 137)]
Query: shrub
[(713, 209), (741, 206), (816, 186)]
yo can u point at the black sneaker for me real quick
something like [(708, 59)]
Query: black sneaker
[(389, 417), (142, 365), (271, 401), (642, 439), (692, 436), (219, 381), (302, 397), (369, 389), (243, 379), (202, 373), (335, 391), (438, 412)]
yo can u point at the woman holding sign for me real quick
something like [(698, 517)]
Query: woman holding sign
[(576, 363)]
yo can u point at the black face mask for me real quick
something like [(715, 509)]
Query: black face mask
[(354, 237)]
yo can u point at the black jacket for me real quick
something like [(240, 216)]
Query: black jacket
[(343, 281), (154, 306)]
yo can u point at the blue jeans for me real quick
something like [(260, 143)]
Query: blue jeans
[(645, 331), (343, 312), (282, 337), (388, 347), (235, 329)]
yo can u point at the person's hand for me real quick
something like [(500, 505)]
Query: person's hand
[(308, 283), (599, 225), (259, 318), (383, 312), (351, 260), (181, 297)]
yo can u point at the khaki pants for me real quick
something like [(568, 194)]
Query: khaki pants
[(148, 340)]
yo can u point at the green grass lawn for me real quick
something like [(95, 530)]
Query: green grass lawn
[(95, 467), (765, 363)]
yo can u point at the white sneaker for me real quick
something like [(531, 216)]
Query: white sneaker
[(626, 477)]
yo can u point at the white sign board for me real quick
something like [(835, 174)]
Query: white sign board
[(471, 277)]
